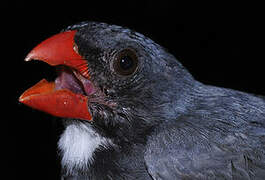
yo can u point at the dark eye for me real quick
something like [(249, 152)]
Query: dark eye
[(126, 62)]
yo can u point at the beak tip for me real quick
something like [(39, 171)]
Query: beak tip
[(29, 57), (21, 98)]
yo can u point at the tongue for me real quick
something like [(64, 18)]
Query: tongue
[(66, 80), (74, 82)]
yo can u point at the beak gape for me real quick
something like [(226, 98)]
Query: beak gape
[(59, 49)]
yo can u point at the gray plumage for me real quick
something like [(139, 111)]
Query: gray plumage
[(222, 137), (165, 125)]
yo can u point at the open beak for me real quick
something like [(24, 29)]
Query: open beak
[(59, 49)]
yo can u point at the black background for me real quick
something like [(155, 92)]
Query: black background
[(220, 44)]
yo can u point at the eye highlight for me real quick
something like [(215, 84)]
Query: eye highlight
[(125, 62)]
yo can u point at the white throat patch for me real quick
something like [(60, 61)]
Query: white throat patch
[(77, 145)]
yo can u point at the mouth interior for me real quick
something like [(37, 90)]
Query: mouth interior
[(73, 81)]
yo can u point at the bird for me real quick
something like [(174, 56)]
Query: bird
[(131, 110)]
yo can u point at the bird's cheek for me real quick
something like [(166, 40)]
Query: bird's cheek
[(62, 103)]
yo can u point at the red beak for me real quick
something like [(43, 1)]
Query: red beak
[(59, 49)]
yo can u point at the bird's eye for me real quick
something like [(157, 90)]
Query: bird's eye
[(126, 62)]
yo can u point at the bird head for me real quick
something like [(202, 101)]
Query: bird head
[(114, 78)]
